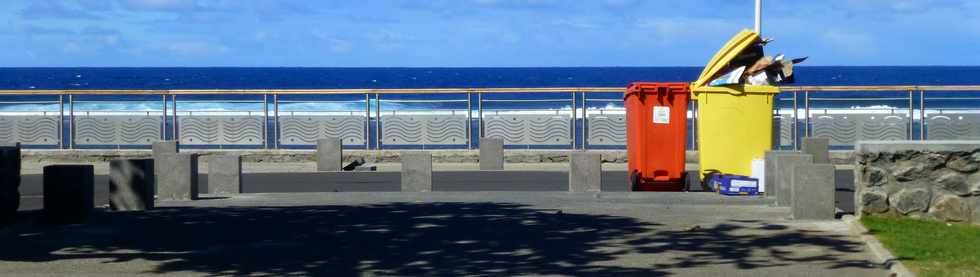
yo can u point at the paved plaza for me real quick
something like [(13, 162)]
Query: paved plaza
[(442, 234)]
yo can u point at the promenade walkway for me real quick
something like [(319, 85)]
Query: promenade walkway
[(443, 234)]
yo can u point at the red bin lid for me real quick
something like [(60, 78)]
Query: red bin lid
[(641, 87)]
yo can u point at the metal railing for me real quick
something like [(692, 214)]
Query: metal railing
[(529, 118)]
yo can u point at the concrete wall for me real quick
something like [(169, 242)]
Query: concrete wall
[(936, 180)]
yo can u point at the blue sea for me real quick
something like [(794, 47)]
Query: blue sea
[(421, 78)]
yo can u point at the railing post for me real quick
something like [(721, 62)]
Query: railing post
[(571, 131), (163, 117), (367, 121), (175, 134), (693, 107), (61, 121), (806, 113), (377, 121), (479, 105), (275, 120), (71, 121), (922, 115), (585, 120), (469, 120), (796, 120), (911, 114), (265, 121)]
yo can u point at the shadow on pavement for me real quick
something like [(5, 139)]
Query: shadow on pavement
[(443, 239), (729, 244)]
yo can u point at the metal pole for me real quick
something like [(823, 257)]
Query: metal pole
[(71, 121), (469, 120), (175, 135), (367, 121), (61, 121), (275, 120), (922, 115), (571, 129), (796, 121), (806, 113), (911, 113), (692, 106), (479, 106), (163, 117), (758, 17), (585, 120), (265, 121), (377, 121)]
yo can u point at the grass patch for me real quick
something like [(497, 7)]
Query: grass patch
[(929, 248)]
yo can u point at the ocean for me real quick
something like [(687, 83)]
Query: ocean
[(421, 78)]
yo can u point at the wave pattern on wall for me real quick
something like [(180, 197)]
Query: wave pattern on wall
[(220, 130), (846, 129), (953, 127), (117, 130), (529, 129), (423, 129), (607, 130), (306, 130), (29, 130)]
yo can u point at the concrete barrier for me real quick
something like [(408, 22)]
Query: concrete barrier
[(585, 172), (9, 182), (819, 148), (162, 148), (769, 180), (131, 184), (417, 172), (165, 147), (329, 154), (784, 176), (813, 191), (177, 179), (491, 154), (69, 193), (225, 174)]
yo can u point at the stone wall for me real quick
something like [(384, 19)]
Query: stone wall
[(936, 180)]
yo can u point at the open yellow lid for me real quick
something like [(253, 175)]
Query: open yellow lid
[(720, 61)]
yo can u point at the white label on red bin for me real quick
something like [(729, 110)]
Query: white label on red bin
[(661, 115)]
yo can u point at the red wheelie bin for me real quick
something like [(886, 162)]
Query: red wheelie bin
[(656, 131)]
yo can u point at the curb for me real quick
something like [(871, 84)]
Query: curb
[(881, 253)]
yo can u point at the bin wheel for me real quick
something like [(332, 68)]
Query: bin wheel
[(634, 182), (692, 181)]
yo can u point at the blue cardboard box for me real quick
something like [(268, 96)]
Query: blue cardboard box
[(729, 184)]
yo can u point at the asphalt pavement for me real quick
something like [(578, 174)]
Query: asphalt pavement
[(441, 234), (32, 186)]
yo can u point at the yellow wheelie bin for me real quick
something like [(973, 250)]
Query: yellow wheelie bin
[(734, 121)]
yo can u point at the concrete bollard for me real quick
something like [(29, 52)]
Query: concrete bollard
[(491, 154), (69, 195), (9, 182), (329, 154), (819, 148), (417, 172), (784, 176), (225, 174), (131, 184), (769, 180), (162, 148), (177, 179), (585, 172), (813, 192)]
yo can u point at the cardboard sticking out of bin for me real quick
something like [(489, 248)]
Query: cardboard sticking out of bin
[(753, 67)]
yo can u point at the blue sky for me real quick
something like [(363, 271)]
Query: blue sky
[(417, 33)]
